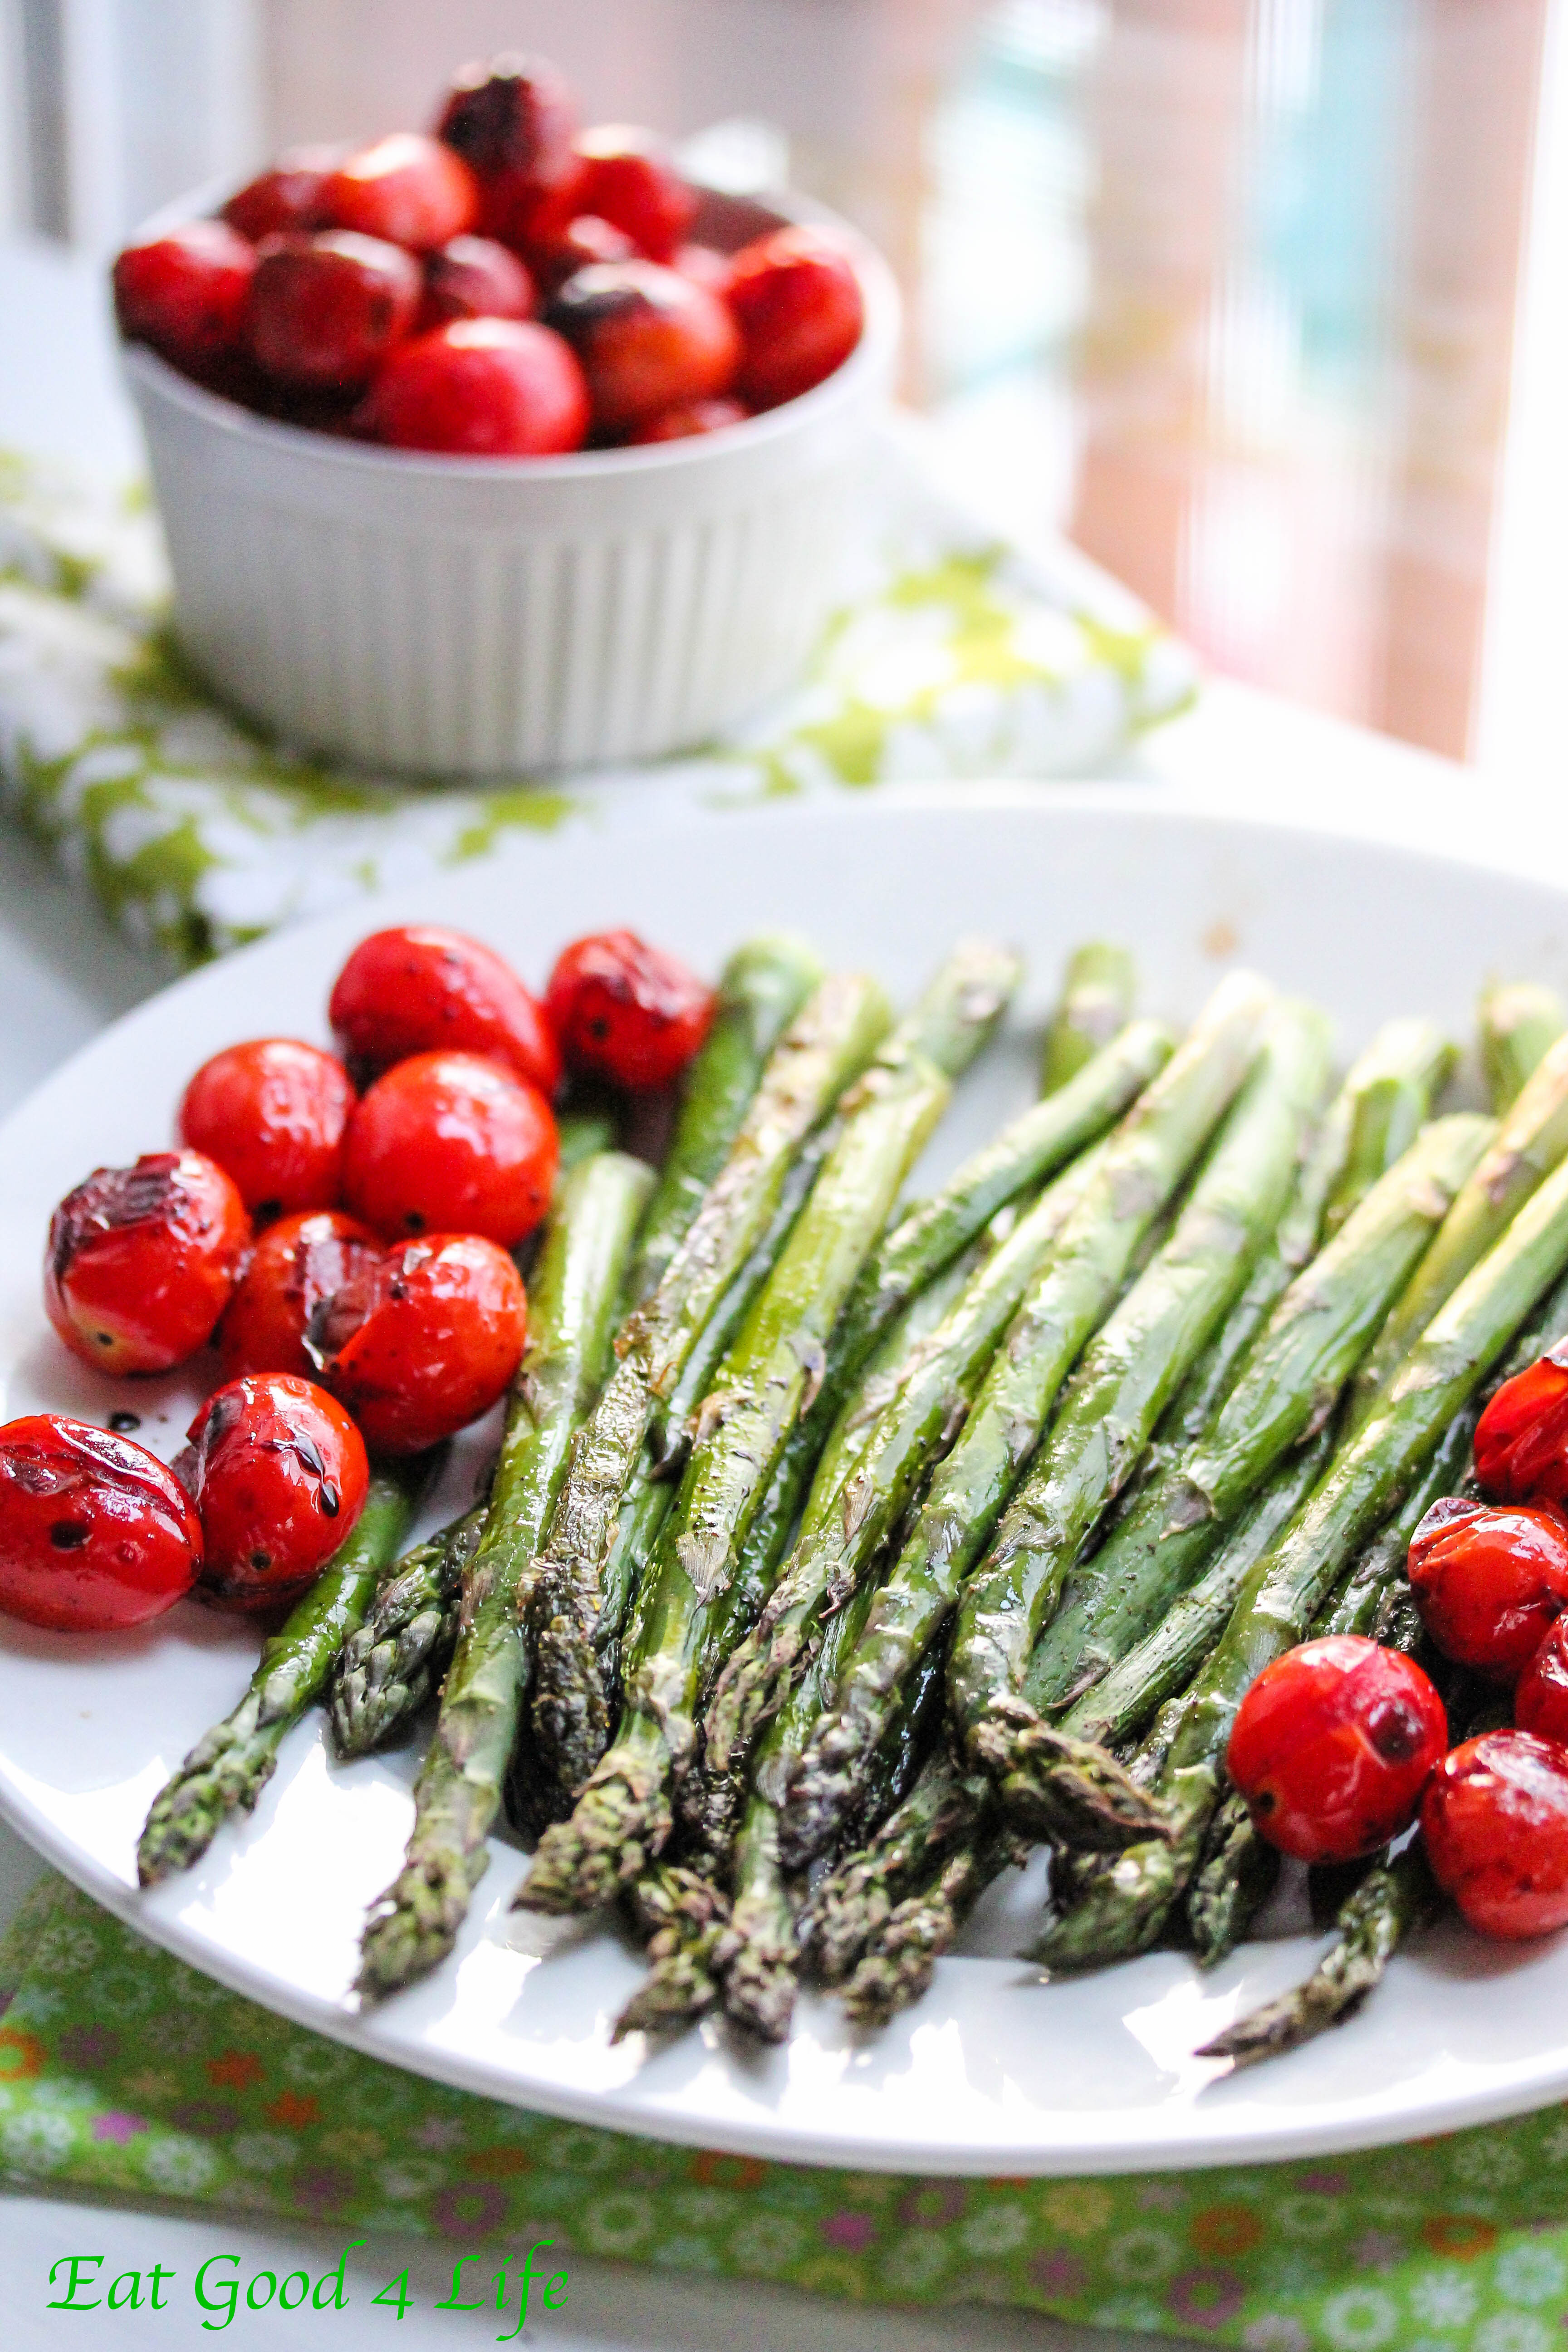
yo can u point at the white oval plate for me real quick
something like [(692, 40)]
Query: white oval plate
[(993, 2072)]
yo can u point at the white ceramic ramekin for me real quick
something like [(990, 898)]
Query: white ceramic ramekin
[(473, 616)]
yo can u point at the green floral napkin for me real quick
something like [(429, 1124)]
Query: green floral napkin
[(955, 658), (123, 2070)]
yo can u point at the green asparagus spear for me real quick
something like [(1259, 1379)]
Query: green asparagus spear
[(1124, 1907), (1392, 1102), (231, 1765), (577, 1286), (897, 1967), (938, 1816), (623, 1817), (1096, 1000), (579, 1134), (1518, 1022), (389, 1666), (1236, 1874)]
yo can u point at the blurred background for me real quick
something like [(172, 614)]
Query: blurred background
[(1265, 302)]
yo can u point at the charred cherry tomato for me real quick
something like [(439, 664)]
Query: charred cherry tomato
[(1521, 1439), (325, 311), (1495, 1822), (1332, 1746), (424, 1341), (142, 1261), (481, 388), (648, 340), (95, 1533), (474, 278), (295, 1267), (448, 1143), (286, 196), (273, 1113), (514, 116), (185, 293), (422, 989), (280, 1478), (626, 1012), (414, 190), (630, 181), (685, 423), (798, 305), (580, 241), (1540, 1694), (1489, 1579)]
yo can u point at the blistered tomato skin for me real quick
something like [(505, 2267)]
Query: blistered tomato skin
[(273, 1113), (280, 1479), (424, 1340), (1495, 1823), (798, 305), (325, 311), (1521, 1439), (296, 1267), (1489, 1579), (1332, 1746), (186, 293), (95, 1534), (1540, 1694), (648, 340), (286, 196), (448, 1143), (481, 388), (142, 1261), (474, 278), (413, 191), (630, 181), (422, 989), (626, 1012)]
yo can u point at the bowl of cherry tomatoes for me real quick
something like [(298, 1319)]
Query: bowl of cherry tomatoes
[(502, 446)]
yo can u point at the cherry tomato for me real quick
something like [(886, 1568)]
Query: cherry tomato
[(280, 1478), (426, 1339), (295, 1267), (414, 190), (580, 241), (474, 278), (1332, 1746), (1489, 1579), (273, 1113), (185, 293), (648, 340), (704, 265), (325, 311), (142, 1261), (514, 116), (685, 422), (1540, 1695), (448, 1143), (1521, 1439), (798, 305), (1495, 1821), (630, 181), (288, 195), (626, 1012), (483, 388), (421, 989), (95, 1533)]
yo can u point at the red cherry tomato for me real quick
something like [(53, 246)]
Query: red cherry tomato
[(1521, 1439), (626, 1012), (142, 1261), (325, 311), (414, 190), (1332, 1746), (273, 1113), (426, 1339), (294, 1269), (705, 266), (685, 422), (448, 1143), (1489, 1579), (1495, 1822), (286, 196), (95, 1533), (630, 181), (577, 245), (474, 278), (481, 388), (185, 293), (648, 340), (421, 989), (515, 115), (1540, 1694), (798, 305), (280, 1478)]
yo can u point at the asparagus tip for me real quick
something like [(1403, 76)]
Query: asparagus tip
[(617, 1827)]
